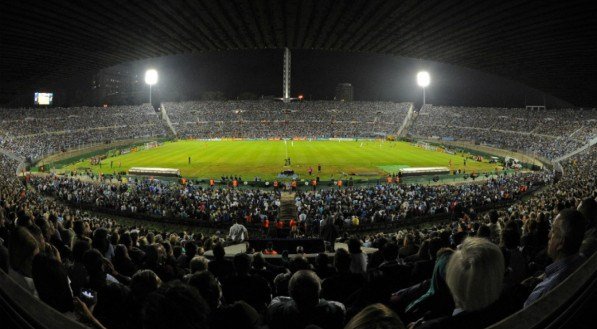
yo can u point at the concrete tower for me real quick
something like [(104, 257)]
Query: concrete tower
[(286, 77)]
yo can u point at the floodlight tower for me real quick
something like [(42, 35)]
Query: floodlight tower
[(286, 77), (151, 78), (423, 80)]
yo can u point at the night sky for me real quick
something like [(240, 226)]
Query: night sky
[(316, 73)]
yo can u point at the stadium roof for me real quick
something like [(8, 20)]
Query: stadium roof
[(550, 45)]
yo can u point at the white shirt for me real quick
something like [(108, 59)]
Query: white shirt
[(238, 233)]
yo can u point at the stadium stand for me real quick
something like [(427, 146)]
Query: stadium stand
[(542, 132), (549, 133), (73, 245), (32, 133), (267, 119)]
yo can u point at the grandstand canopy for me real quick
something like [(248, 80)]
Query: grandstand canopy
[(549, 45)]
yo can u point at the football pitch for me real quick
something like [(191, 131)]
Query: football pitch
[(266, 159)]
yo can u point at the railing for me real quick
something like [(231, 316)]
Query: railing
[(569, 302), (19, 309)]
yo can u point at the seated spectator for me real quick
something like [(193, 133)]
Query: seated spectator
[(220, 266), (208, 287), (304, 306), (238, 315), (23, 249), (516, 264), (175, 306), (358, 263), (388, 277), (266, 270), (282, 280), (112, 308), (77, 272), (423, 268), (242, 285), (323, 268), (474, 275), (100, 242), (341, 286), (122, 262), (437, 301), (198, 264), (588, 208), (51, 283), (408, 246), (375, 316), (565, 239), (190, 250), (495, 229), (130, 241)]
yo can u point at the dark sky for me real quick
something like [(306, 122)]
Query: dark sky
[(316, 73)]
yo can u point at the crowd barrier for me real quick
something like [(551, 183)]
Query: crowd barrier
[(310, 246)]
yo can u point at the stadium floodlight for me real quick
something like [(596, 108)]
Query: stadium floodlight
[(151, 78), (423, 80)]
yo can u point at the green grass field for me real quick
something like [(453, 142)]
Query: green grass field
[(365, 159)]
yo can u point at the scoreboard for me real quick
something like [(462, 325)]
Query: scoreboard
[(43, 98)]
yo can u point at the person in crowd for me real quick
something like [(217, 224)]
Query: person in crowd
[(516, 264), (175, 305), (238, 233), (23, 250), (375, 316), (358, 262), (565, 239), (208, 287), (112, 309), (474, 275), (220, 266), (51, 283), (588, 208), (341, 286), (242, 285), (190, 250), (437, 301), (122, 262), (389, 276), (423, 267), (495, 229), (323, 268), (304, 306)]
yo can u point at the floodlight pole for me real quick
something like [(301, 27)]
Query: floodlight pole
[(423, 95), (150, 94)]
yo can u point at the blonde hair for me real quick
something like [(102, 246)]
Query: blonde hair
[(475, 273), (375, 316)]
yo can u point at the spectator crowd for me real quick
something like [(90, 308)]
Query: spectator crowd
[(472, 271), (549, 133)]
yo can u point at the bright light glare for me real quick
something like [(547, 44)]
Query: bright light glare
[(423, 79), (151, 77)]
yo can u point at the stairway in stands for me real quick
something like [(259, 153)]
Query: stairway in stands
[(166, 119), (288, 208), (408, 121)]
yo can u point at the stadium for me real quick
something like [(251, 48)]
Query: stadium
[(298, 164)]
